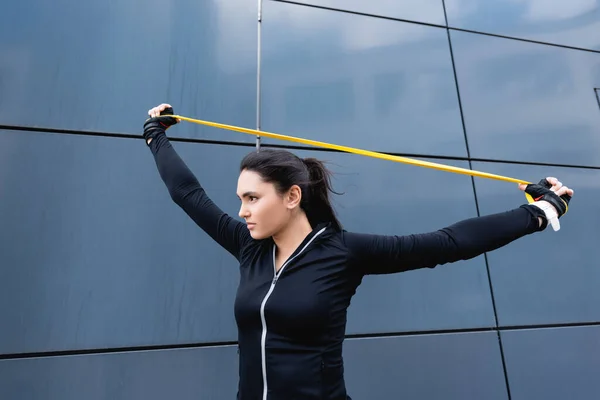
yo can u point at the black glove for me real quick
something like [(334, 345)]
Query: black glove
[(158, 125), (541, 191)]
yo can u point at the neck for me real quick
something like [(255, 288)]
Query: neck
[(288, 240)]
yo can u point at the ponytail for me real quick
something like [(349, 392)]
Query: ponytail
[(318, 205)]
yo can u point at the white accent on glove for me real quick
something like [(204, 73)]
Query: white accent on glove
[(551, 213)]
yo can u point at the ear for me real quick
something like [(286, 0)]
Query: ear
[(293, 197)]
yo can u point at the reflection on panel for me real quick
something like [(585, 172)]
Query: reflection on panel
[(109, 62), (570, 23), (553, 364), (95, 254), (208, 373), (548, 277), (389, 198), (430, 11), (528, 102), (358, 81), (444, 367)]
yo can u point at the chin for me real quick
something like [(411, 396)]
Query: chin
[(258, 235)]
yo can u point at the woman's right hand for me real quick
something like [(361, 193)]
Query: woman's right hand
[(155, 112), (159, 116)]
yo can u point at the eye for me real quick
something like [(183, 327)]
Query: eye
[(252, 198)]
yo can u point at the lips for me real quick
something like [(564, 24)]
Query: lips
[(250, 225)]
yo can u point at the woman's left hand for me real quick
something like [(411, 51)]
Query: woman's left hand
[(551, 196), (538, 191), (556, 187)]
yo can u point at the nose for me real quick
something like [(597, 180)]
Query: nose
[(243, 212)]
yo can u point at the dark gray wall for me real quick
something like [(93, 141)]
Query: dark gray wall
[(108, 291)]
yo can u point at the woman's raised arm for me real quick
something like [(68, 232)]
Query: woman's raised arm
[(184, 188)]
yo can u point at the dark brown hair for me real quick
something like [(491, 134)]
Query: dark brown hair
[(285, 169)]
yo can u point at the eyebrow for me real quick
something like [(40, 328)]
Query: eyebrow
[(249, 194)]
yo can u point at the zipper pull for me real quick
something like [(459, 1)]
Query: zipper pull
[(275, 279)]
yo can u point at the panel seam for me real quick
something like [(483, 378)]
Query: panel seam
[(258, 73), (438, 26), (181, 346), (477, 208), (116, 135)]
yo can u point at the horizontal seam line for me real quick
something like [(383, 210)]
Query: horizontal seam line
[(282, 146), (440, 157), (119, 135), (349, 336), (130, 349), (364, 14), (520, 39), (474, 330)]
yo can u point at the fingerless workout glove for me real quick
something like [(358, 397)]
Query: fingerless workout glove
[(157, 125), (541, 191), (551, 204)]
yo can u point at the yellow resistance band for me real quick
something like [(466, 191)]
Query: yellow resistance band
[(361, 152)]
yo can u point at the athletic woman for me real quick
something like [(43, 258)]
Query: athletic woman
[(299, 269)]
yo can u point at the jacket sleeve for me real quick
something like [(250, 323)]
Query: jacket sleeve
[(187, 193), (384, 254)]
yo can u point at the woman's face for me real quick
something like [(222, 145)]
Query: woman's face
[(265, 211)]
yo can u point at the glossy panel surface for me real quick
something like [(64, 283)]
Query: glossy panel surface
[(209, 373), (100, 65), (375, 369), (436, 367), (123, 266), (95, 254), (528, 102), (430, 11), (548, 277), (553, 364), (388, 198), (358, 81), (571, 23)]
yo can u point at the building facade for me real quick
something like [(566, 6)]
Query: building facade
[(109, 291)]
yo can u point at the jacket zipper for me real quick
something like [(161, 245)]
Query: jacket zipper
[(263, 340)]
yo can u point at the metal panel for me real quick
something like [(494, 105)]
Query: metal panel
[(204, 373), (95, 254), (569, 23), (444, 367), (391, 90), (99, 66), (553, 364), (528, 102), (390, 198), (108, 252), (548, 277), (411, 367), (430, 11)]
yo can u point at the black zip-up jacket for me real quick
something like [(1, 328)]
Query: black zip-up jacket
[(291, 325)]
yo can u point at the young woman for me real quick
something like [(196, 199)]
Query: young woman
[(299, 269)]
